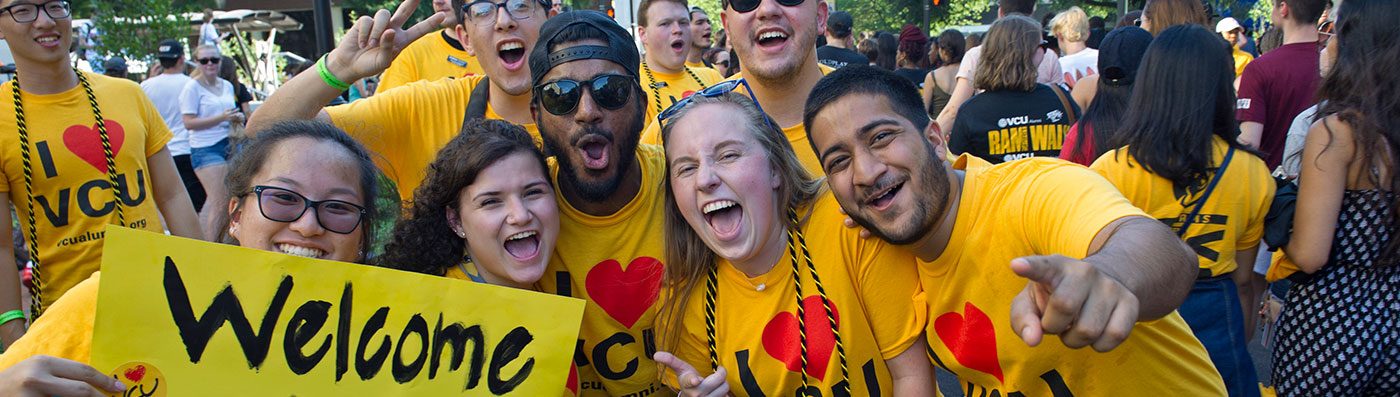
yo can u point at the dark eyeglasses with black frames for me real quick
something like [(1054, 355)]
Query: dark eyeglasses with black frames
[(28, 12), (483, 12), (206, 61), (561, 97), (284, 205), (743, 6)]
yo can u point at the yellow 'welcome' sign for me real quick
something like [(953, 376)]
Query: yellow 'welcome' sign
[(218, 320)]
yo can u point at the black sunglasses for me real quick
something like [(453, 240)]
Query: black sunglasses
[(718, 89), (283, 205), (206, 61), (743, 6), (560, 97)]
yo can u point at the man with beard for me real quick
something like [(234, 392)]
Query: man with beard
[(434, 56), (981, 231), (701, 38), (666, 34), (589, 105), (407, 126), (777, 43)]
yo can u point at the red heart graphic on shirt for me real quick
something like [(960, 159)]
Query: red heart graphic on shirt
[(781, 340), (625, 294), (135, 374), (687, 93), (86, 142), (573, 379), (971, 338)]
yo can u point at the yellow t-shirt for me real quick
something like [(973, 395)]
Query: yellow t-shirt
[(73, 200), (1241, 60), (674, 86), (1042, 206), (467, 271), (431, 57), (64, 331), (697, 65), (405, 128), (614, 263), (796, 134), (874, 293), (1231, 219)]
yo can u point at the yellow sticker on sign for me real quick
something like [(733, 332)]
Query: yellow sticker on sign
[(220, 320)]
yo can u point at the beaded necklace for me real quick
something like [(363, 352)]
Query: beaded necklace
[(794, 235), (656, 87), (36, 306)]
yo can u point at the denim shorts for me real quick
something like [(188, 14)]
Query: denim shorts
[(212, 155)]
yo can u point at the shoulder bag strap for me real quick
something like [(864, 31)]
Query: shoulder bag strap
[(1196, 209), (1064, 102), (476, 105)]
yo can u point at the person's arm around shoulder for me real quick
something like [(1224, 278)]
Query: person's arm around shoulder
[(1327, 156), (368, 48), (10, 295), (172, 199)]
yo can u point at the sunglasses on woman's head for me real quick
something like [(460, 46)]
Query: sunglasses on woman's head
[(718, 89), (561, 97), (743, 6)]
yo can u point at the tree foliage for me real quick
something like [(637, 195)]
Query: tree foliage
[(127, 26)]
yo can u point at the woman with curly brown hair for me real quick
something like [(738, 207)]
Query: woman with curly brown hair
[(485, 212)]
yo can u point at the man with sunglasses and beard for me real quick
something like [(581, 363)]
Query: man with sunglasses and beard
[(982, 233), (776, 39), (407, 126), (589, 106)]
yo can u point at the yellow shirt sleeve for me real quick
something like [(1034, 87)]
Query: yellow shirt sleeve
[(1083, 204), (64, 331), (405, 127), (890, 290)]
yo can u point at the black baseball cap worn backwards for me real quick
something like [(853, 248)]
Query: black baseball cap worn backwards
[(620, 49)]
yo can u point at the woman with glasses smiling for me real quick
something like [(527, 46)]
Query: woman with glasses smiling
[(79, 151), (209, 109), (300, 188)]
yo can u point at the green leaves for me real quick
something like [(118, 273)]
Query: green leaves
[(131, 28)]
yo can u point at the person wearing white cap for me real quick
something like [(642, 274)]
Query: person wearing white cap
[(1231, 30)]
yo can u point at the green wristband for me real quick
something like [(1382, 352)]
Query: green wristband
[(327, 77), (11, 316)]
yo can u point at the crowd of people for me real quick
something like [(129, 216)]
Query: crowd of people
[(1052, 208)]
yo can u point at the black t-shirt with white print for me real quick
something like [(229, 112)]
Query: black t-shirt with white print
[(1001, 126)]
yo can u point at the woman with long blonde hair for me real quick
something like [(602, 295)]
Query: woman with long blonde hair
[(766, 291)]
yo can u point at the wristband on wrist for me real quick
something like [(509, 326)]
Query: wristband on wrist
[(329, 78), (11, 316)]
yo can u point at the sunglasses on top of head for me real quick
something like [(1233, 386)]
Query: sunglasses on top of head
[(561, 97), (743, 6)]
